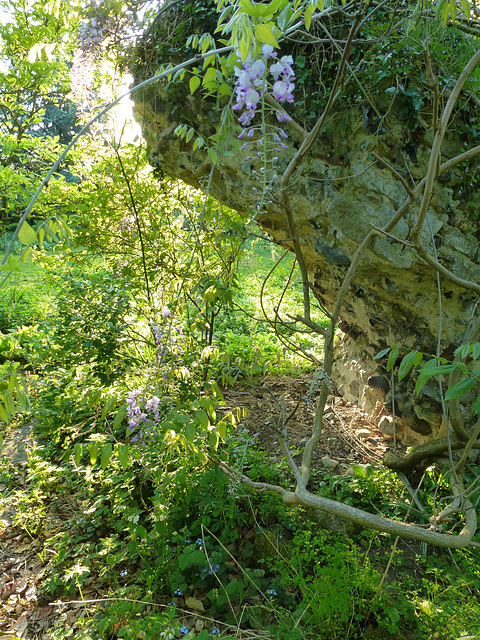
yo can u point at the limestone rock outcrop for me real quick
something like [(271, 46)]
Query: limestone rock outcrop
[(337, 194)]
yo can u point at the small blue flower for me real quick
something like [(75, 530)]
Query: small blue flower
[(124, 573), (187, 540), (272, 592), (177, 592), (215, 631), (199, 541), (172, 604), (184, 629)]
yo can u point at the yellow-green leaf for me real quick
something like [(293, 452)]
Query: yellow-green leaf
[(194, 83), (40, 237), (264, 34), (210, 76), (27, 235), (78, 450), (453, 9), (9, 403), (465, 7), (251, 9), (25, 255), (93, 450), (308, 15), (4, 414)]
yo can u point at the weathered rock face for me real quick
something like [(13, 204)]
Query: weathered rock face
[(336, 195)]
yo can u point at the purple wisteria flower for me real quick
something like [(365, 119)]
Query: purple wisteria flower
[(143, 413), (251, 79)]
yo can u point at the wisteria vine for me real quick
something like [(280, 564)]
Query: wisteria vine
[(252, 82)]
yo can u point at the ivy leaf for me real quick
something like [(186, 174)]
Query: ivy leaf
[(412, 359), (263, 33), (459, 389)]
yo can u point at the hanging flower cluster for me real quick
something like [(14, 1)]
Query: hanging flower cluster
[(252, 83), (143, 413)]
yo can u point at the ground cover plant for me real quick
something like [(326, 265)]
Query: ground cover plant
[(149, 508)]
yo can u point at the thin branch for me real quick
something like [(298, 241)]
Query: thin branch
[(433, 165)]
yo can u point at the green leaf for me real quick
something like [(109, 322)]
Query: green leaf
[(423, 378), (141, 531), (202, 418), (27, 235), (190, 134), (476, 406), (106, 455), (122, 453), (213, 439), (78, 451), (106, 409), (412, 359), (213, 155), (476, 350), (264, 34), (194, 83), (190, 432), (459, 389), (441, 370), (120, 416), (382, 353), (392, 358)]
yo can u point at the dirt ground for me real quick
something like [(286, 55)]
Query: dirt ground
[(348, 434), (349, 437)]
